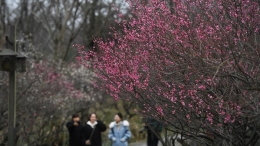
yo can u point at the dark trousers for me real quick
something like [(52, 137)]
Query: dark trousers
[(152, 139)]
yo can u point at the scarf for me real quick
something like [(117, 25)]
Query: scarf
[(92, 125), (118, 125)]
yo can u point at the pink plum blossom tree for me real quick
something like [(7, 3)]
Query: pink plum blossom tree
[(191, 64)]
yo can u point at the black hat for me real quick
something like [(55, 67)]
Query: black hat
[(75, 115), (120, 115)]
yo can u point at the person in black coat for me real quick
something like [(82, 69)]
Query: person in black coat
[(75, 130), (95, 126), (154, 129)]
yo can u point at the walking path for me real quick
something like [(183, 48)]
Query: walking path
[(143, 143)]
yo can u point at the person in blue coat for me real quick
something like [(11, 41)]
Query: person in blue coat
[(119, 132)]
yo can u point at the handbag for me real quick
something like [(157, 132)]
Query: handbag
[(88, 141)]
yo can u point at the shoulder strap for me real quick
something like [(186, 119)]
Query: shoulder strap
[(92, 132)]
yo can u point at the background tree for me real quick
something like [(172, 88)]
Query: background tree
[(193, 65), (54, 86)]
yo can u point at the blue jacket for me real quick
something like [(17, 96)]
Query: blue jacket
[(119, 134)]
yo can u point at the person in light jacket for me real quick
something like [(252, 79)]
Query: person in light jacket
[(119, 132)]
